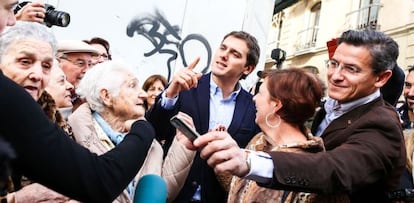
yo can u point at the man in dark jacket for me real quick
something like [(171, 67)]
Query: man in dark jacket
[(365, 152), (217, 99)]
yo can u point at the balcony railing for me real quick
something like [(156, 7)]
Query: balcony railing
[(364, 18), (307, 38)]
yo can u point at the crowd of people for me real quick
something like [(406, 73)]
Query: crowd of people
[(78, 126)]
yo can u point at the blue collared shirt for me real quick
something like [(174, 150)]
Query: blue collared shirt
[(221, 109), (334, 110)]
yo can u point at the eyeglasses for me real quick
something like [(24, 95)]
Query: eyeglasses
[(80, 63), (104, 56), (343, 68)]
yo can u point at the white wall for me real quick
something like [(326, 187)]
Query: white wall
[(211, 19)]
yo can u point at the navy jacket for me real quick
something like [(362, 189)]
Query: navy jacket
[(195, 102)]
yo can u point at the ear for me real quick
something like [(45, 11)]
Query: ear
[(382, 78), (277, 104), (105, 97), (248, 69)]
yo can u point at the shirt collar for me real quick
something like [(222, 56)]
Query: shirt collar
[(348, 106), (215, 90)]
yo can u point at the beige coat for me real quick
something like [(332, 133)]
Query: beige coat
[(174, 168)]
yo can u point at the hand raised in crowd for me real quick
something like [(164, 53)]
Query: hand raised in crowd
[(184, 79), (34, 12), (222, 153)]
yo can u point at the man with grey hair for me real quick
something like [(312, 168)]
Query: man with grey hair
[(75, 58)]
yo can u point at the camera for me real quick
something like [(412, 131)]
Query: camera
[(52, 16)]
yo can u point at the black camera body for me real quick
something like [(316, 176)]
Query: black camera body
[(52, 16)]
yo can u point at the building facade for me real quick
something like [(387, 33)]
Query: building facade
[(304, 29)]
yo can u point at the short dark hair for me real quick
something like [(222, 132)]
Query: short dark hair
[(254, 50), (101, 41), (410, 68), (383, 49)]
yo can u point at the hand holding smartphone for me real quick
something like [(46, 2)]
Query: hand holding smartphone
[(182, 126)]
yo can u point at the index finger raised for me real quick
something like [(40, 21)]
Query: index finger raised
[(193, 64)]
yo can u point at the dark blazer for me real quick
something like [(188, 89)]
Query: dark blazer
[(47, 155), (195, 102), (365, 156)]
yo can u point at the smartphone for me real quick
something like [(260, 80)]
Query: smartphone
[(189, 132)]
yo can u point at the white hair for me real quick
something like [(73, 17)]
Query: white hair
[(22, 30), (108, 75)]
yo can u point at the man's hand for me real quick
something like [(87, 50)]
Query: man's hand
[(184, 79), (34, 12), (222, 153)]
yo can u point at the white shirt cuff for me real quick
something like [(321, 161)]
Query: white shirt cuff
[(261, 167)]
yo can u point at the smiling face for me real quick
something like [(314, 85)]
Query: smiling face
[(345, 85), (264, 104), (129, 103), (153, 91), (59, 88), (229, 62), (409, 89), (28, 62)]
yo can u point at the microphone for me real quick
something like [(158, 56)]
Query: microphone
[(151, 188)]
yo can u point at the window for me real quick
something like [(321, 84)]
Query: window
[(368, 14), (365, 17), (308, 36)]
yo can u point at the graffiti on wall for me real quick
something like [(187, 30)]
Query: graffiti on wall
[(160, 33)]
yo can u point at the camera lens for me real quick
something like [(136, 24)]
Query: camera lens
[(54, 17), (62, 19)]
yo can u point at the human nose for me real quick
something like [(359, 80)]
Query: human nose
[(223, 53), (411, 91), (36, 72), (11, 20), (69, 86), (336, 73), (142, 94)]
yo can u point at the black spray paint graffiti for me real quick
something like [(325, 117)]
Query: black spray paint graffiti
[(149, 26)]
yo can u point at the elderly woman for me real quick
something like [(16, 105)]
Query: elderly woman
[(27, 59), (60, 89), (114, 98)]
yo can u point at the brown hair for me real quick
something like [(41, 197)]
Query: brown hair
[(101, 41), (152, 79), (299, 91)]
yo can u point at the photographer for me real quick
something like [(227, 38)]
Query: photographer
[(31, 11), (42, 13)]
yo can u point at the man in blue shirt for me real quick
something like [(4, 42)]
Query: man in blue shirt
[(213, 100)]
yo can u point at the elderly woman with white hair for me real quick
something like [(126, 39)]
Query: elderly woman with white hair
[(114, 98)]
